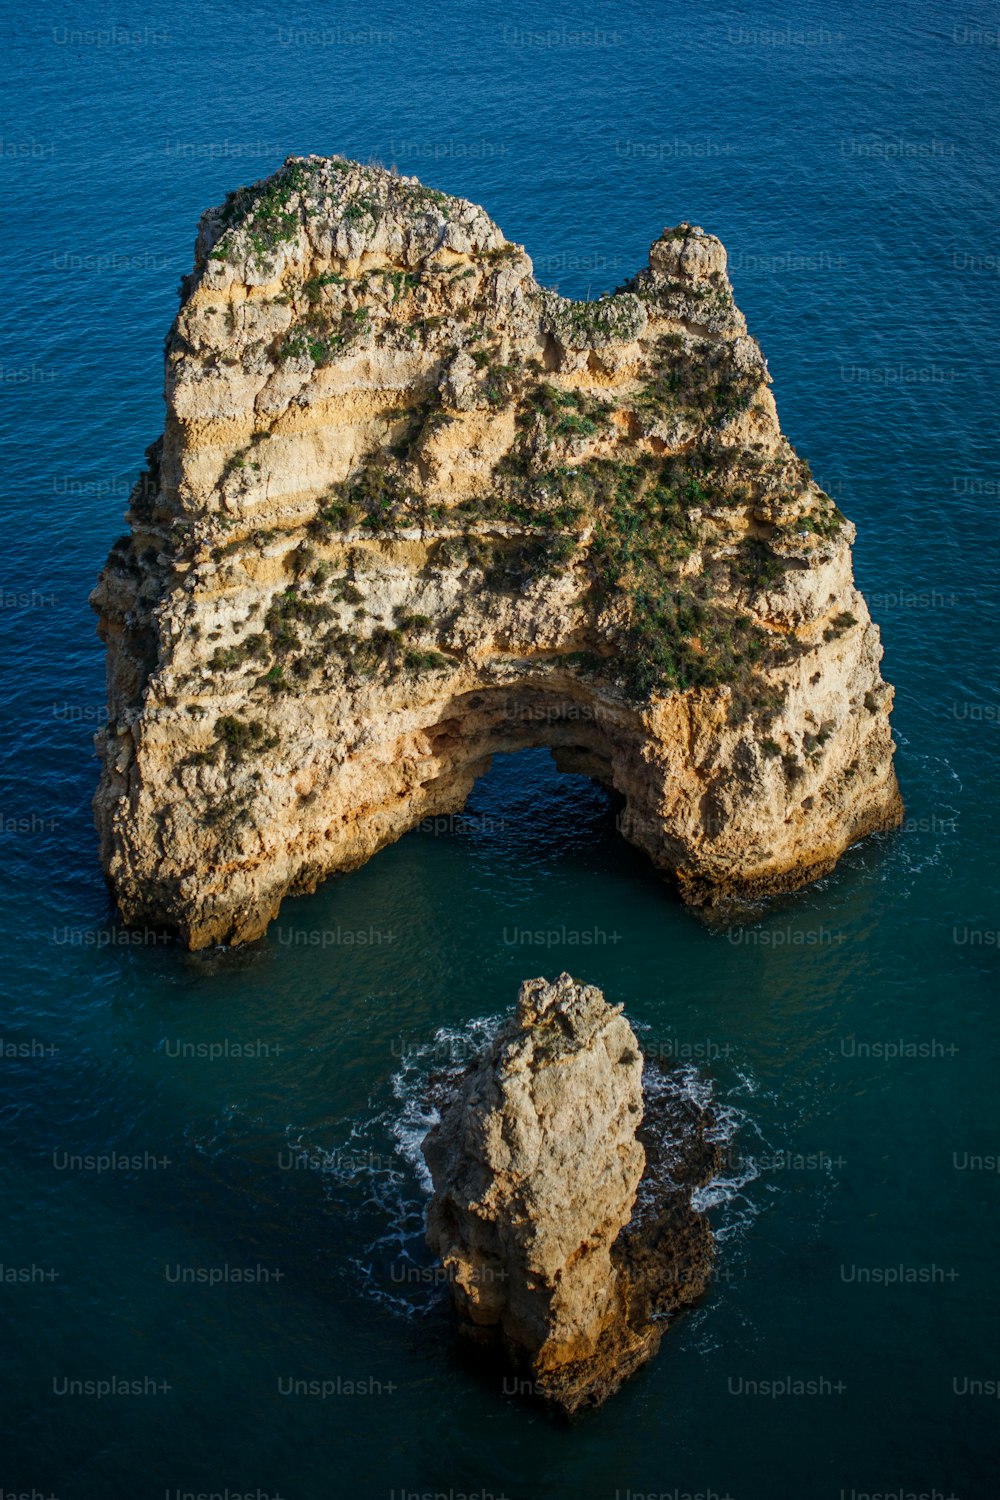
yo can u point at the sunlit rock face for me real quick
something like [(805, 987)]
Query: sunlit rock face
[(537, 1163), (411, 509)]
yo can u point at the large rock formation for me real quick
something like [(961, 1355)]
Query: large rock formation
[(411, 508), (536, 1164)]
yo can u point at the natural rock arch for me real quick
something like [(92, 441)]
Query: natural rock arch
[(410, 508)]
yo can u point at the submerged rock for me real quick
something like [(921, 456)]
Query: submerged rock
[(562, 1199), (412, 508)]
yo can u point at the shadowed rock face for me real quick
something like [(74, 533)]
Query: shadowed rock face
[(562, 1203), (411, 508)]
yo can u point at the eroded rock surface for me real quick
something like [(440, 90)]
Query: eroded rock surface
[(562, 1200), (410, 508)]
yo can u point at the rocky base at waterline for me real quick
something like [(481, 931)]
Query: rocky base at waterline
[(411, 509), (563, 1170)]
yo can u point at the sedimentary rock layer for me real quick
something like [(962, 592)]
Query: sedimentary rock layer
[(411, 508), (537, 1163)]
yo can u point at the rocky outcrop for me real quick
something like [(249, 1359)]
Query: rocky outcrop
[(410, 508), (537, 1163)]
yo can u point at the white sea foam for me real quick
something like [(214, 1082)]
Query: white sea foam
[(447, 1052), (725, 1191), (395, 1266)]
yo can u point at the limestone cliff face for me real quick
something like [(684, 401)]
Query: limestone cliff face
[(536, 1164), (411, 509)]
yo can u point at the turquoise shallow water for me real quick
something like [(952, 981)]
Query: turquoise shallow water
[(270, 1097)]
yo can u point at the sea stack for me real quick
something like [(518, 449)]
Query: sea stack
[(411, 508), (556, 1261)]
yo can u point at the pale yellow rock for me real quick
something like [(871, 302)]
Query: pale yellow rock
[(536, 1163), (344, 327), (535, 1168)]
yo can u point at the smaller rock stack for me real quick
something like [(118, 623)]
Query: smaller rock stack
[(562, 1200)]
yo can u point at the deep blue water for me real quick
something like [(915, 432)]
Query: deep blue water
[(848, 159)]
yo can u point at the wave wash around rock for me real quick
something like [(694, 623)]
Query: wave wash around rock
[(562, 1208), (411, 508)]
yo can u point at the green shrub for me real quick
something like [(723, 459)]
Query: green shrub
[(240, 738), (425, 661), (263, 213)]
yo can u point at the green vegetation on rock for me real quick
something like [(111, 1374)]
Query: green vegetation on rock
[(264, 214)]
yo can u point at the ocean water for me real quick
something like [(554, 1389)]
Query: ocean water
[(268, 1101)]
